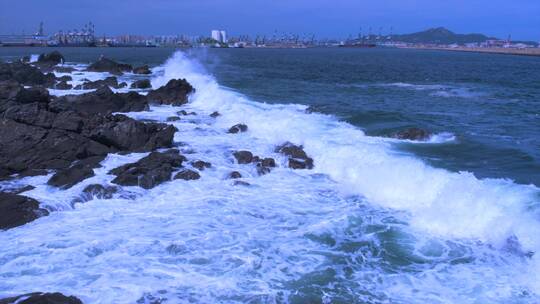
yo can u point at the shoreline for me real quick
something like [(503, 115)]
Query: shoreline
[(535, 52)]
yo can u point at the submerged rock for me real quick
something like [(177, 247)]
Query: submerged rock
[(149, 171), (144, 69), (238, 128), (17, 210), (52, 58), (108, 65), (63, 85), (41, 298), (201, 165), (243, 157), (141, 84), (215, 114), (98, 191), (175, 93), (173, 118), (413, 134), (235, 174), (298, 159), (187, 174)]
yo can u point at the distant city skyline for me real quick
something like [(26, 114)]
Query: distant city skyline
[(337, 19)]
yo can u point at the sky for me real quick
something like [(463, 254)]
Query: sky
[(324, 19)]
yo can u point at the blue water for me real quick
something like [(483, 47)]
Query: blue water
[(452, 220)]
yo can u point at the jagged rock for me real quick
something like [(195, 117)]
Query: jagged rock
[(243, 157), (175, 93), (141, 84), (107, 82), (64, 69), (102, 101), (184, 112), (52, 58), (98, 191), (235, 174), (80, 171), (241, 183), (122, 85), (17, 210), (201, 165), (265, 165), (144, 69), (63, 85), (298, 159), (187, 174), (149, 171), (173, 118), (238, 128), (25, 74), (108, 65), (20, 190), (64, 78), (41, 298), (215, 114), (413, 134)]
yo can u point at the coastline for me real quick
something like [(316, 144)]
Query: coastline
[(502, 51)]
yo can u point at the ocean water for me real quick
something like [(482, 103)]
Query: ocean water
[(378, 220)]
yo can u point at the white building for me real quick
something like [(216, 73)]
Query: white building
[(223, 36), (219, 36)]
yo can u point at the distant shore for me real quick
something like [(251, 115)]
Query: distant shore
[(504, 51)]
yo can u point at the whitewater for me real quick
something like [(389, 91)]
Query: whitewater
[(369, 224)]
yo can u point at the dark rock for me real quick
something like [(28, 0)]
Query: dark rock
[(265, 165), (201, 165), (141, 84), (215, 114), (41, 298), (149, 171), (107, 82), (102, 101), (23, 189), (99, 192), (187, 174), (238, 128), (241, 183), (144, 69), (243, 157), (52, 58), (122, 85), (63, 86), (71, 176), (173, 118), (268, 162), (25, 74), (17, 210), (184, 112), (235, 174), (175, 93), (413, 134), (108, 65), (64, 78), (64, 69), (298, 159)]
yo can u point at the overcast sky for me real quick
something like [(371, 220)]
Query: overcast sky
[(331, 18)]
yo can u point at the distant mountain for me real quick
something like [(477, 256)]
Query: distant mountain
[(440, 35)]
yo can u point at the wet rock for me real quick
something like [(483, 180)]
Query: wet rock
[(141, 84), (149, 171), (298, 159), (103, 101), (184, 112), (241, 183), (144, 69), (215, 114), (107, 82), (173, 118), (265, 165), (17, 210), (122, 85), (63, 85), (98, 191), (75, 174), (175, 93), (413, 134), (41, 298), (25, 74), (64, 78), (22, 189), (64, 69), (243, 157), (235, 174), (108, 65), (52, 58), (238, 128), (187, 175), (201, 165)]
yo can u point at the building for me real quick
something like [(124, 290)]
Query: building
[(219, 36), (223, 36)]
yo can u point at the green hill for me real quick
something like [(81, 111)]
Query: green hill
[(440, 35)]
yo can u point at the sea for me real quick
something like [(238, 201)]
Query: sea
[(451, 219)]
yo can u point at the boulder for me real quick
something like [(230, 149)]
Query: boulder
[(52, 58), (103, 101), (41, 298), (25, 74), (238, 128), (201, 165), (98, 191), (63, 85), (149, 171), (108, 65), (298, 159), (141, 84), (243, 157), (81, 170), (107, 82), (187, 174), (64, 78), (64, 69), (144, 69), (265, 165), (215, 114), (175, 93), (184, 113), (17, 210), (173, 118), (235, 174), (413, 134)]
